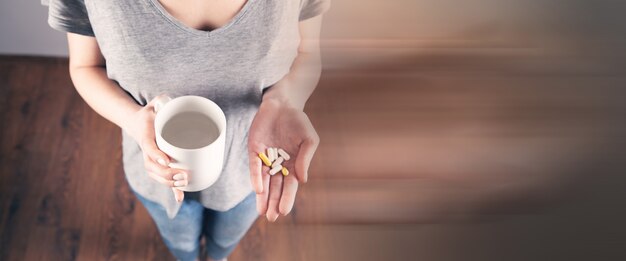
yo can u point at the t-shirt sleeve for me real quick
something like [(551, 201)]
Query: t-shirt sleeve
[(313, 8), (68, 16)]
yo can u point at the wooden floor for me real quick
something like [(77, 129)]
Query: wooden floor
[(432, 154)]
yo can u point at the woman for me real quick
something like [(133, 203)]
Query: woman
[(257, 59)]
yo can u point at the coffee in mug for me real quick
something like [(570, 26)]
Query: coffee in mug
[(190, 130)]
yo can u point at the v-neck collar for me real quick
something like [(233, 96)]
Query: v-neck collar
[(174, 21)]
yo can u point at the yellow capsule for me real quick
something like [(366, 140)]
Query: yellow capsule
[(285, 171), (265, 159)]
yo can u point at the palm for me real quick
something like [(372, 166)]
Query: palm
[(291, 130), (278, 129)]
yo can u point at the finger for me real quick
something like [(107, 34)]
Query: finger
[(179, 195), (304, 157), (255, 173), (166, 173), (150, 148), (259, 203), (261, 199), (154, 100), (275, 190), (157, 178), (290, 187), (167, 182)]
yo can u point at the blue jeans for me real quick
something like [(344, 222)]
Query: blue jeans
[(222, 230)]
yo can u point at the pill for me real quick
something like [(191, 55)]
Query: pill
[(283, 154), (285, 171), (275, 169), (277, 162), (270, 154), (275, 151), (265, 159)]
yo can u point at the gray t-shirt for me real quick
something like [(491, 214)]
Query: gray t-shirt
[(149, 52)]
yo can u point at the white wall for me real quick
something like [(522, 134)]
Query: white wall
[(24, 30)]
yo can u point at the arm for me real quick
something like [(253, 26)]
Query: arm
[(281, 122), (88, 73), (298, 85)]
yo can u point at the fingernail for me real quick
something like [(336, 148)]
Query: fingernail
[(270, 219), (162, 162), (180, 183), (179, 176)]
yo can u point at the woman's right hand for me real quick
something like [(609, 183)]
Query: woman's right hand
[(107, 98), (140, 126)]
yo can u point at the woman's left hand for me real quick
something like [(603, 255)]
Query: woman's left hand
[(279, 125)]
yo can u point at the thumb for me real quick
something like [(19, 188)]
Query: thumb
[(179, 195), (150, 148), (158, 101)]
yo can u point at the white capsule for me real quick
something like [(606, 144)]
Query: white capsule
[(270, 154), (276, 169), (277, 162), (283, 154), (275, 151)]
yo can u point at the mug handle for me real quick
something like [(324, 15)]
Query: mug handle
[(160, 102)]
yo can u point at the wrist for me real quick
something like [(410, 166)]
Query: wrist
[(128, 121), (279, 98)]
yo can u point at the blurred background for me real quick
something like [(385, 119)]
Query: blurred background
[(450, 130)]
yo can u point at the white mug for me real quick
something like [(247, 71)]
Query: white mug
[(203, 163)]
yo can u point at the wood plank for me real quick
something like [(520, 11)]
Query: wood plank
[(444, 148)]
